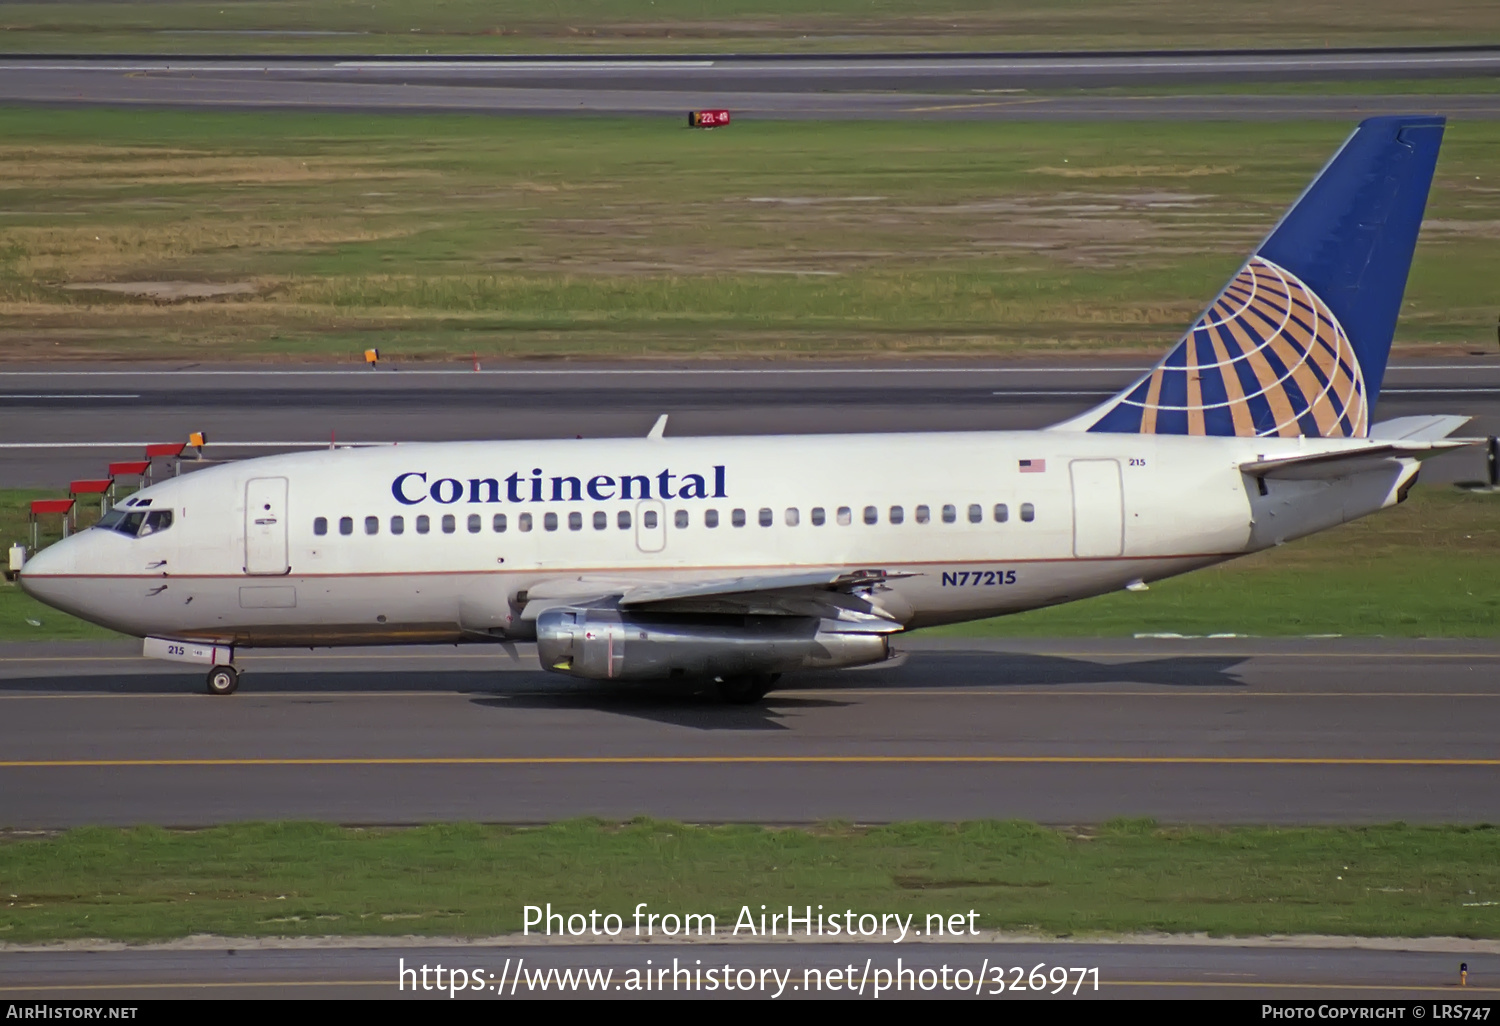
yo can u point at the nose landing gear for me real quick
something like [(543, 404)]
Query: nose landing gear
[(223, 680)]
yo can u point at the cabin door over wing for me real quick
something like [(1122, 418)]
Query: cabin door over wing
[(1098, 509), (265, 526), (650, 526)]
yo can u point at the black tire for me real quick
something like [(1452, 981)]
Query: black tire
[(747, 689), (223, 680)]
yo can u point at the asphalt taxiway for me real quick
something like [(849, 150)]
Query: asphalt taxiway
[(930, 86), (63, 423), (1201, 730), (492, 970)]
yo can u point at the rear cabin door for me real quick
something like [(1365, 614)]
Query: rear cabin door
[(1098, 509), (265, 526)]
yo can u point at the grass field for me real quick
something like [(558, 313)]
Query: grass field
[(667, 26), (437, 237), (303, 879), (1423, 569)]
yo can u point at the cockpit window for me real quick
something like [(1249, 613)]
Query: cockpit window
[(110, 519), (136, 523), (156, 521)]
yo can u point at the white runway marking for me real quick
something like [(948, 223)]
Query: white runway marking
[(77, 395)]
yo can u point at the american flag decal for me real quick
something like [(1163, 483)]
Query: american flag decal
[(1033, 466)]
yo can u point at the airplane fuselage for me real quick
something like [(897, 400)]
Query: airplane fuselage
[(451, 541)]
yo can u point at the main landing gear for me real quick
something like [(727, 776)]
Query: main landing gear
[(223, 680), (746, 689)]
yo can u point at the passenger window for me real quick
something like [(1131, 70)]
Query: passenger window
[(476, 523), (549, 521), (923, 514), (320, 526), (845, 516), (523, 522), (423, 524), (950, 514), (792, 516), (817, 516), (575, 521), (765, 517), (398, 525), (897, 514), (372, 525), (737, 518), (680, 518), (648, 519), (450, 523), (158, 520), (498, 524), (346, 525), (623, 519), (976, 513), (710, 518), (872, 515), (1002, 512), (1028, 512), (601, 520)]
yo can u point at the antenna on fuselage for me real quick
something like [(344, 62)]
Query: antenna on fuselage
[(658, 429)]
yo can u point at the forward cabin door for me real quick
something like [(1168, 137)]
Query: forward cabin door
[(265, 526), (1098, 509)]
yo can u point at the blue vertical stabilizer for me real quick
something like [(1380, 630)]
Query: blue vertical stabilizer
[(1297, 342)]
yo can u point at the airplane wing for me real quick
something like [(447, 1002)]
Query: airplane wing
[(857, 597)]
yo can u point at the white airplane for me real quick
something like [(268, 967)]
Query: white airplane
[(734, 560)]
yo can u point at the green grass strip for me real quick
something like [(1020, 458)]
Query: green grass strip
[(310, 879)]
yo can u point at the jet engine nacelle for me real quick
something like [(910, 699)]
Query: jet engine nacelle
[(607, 644)]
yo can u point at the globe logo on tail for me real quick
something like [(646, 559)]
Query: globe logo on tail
[(1268, 358)]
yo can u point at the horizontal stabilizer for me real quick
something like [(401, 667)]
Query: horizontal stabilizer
[(1419, 429), (1322, 466)]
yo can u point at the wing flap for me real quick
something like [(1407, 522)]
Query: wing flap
[(855, 599), (656, 592)]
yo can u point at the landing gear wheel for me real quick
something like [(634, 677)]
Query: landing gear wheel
[(747, 689), (223, 680)]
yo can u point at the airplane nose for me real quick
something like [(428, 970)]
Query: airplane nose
[(45, 574)]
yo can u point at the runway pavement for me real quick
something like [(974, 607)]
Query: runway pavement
[(1206, 730), (1281, 973), (900, 86), (63, 422)]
